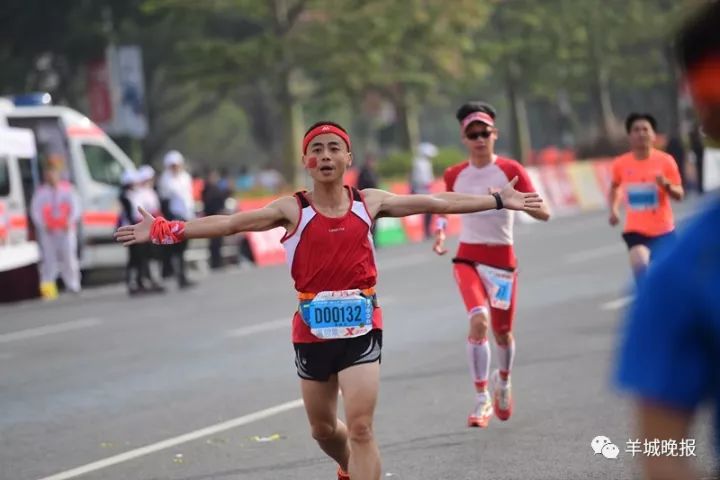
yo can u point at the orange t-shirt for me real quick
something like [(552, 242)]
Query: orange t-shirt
[(647, 205)]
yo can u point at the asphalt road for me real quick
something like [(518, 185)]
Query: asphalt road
[(200, 384)]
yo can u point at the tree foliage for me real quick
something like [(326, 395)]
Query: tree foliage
[(284, 63)]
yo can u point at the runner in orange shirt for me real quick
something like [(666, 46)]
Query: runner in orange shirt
[(649, 179)]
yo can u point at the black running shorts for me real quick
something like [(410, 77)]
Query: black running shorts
[(318, 361), (633, 239)]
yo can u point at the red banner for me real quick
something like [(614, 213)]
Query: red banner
[(559, 189), (98, 92), (604, 175), (265, 246)]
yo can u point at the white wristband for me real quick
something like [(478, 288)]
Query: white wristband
[(441, 223)]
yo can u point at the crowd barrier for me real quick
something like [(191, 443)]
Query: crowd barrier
[(567, 188)]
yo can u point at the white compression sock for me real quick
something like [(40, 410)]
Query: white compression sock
[(506, 354), (479, 360)]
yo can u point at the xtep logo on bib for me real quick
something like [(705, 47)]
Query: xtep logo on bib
[(339, 229)]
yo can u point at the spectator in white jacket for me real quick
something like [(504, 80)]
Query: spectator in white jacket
[(176, 195)]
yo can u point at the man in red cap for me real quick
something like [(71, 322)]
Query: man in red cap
[(337, 328), (485, 263)]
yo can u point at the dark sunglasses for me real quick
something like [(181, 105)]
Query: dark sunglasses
[(476, 135)]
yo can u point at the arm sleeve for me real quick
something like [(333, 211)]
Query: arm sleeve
[(524, 184), (512, 168), (449, 178)]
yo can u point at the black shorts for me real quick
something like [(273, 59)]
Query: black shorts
[(633, 239), (317, 361)]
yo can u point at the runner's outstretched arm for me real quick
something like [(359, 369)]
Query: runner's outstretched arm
[(273, 215), (390, 205)]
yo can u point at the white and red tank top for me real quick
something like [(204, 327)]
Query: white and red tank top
[(487, 237), (328, 254)]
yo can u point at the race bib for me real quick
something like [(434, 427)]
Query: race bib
[(340, 314), (498, 284), (642, 196)]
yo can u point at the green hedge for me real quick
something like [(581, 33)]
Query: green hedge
[(398, 165)]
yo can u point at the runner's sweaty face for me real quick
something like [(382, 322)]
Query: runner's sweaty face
[(327, 158), (642, 134)]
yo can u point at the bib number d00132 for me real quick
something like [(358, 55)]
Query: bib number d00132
[(344, 314), (498, 284)]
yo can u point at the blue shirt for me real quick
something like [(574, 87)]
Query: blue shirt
[(671, 347)]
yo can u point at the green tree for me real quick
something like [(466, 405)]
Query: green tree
[(246, 52), (405, 50), (44, 44), (576, 53)]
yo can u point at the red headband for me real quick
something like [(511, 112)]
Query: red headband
[(322, 129), (477, 117), (704, 81)]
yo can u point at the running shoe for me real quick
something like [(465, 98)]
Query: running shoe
[(480, 416), (502, 397)]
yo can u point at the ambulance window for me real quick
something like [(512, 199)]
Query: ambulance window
[(103, 166), (4, 178)]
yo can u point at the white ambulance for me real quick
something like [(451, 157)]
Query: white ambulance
[(95, 165), (19, 253)]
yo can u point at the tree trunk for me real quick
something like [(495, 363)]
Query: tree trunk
[(675, 127), (519, 126), (600, 83), (518, 115), (292, 121), (262, 107), (408, 120), (292, 115), (601, 99), (569, 123)]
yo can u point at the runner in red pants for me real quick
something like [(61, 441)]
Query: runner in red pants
[(485, 264)]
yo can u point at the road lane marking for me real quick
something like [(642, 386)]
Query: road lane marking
[(617, 304), (49, 330), (174, 441)]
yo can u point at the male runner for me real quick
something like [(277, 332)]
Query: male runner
[(337, 330), (650, 179), (671, 349), (485, 263)]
